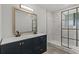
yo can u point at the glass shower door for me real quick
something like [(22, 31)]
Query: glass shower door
[(78, 26), (64, 41), (72, 28)]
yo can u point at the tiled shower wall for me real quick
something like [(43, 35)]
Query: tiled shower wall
[(56, 27)]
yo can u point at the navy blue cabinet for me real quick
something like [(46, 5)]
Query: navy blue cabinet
[(26, 46), (11, 48), (0, 49), (35, 45), (40, 45)]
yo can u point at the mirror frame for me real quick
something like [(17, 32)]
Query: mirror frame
[(14, 24)]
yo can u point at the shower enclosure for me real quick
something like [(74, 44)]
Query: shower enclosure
[(70, 28)]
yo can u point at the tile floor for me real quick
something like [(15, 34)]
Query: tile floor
[(53, 50)]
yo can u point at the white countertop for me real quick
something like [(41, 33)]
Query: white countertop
[(22, 37)]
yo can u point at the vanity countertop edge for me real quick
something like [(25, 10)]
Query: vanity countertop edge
[(15, 39)]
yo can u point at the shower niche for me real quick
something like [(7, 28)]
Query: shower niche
[(70, 28)]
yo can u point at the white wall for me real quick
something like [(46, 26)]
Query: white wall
[(6, 20), (57, 26), (50, 26)]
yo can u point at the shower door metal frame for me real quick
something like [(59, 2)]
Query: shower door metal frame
[(69, 29)]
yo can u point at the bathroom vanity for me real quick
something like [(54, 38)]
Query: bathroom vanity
[(26, 44), (29, 42)]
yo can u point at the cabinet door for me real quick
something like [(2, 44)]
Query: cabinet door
[(43, 43), (0, 49), (11, 48), (26, 46), (39, 44), (3, 49), (36, 45)]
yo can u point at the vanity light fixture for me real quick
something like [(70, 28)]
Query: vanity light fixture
[(25, 7)]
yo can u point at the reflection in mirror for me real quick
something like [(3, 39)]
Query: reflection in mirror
[(24, 22)]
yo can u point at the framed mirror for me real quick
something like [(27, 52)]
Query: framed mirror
[(24, 22)]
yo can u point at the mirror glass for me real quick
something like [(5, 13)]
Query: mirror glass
[(25, 22)]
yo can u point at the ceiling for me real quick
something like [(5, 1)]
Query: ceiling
[(55, 7)]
